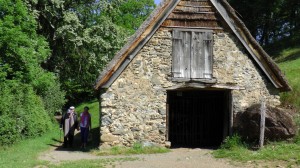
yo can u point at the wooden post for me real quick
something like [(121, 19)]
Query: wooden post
[(262, 123)]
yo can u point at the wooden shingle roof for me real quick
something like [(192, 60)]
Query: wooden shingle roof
[(196, 15)]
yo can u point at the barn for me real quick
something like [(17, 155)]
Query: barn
[(183, 77)]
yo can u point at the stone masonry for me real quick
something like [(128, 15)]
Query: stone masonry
[(133, 109)]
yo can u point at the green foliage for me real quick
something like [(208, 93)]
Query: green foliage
[(24, 84), (20, 56), (89, 49), (84, 36), (233, 142), (22, 113), (129, 14), (269, 20), (9, 134), (48, 88)]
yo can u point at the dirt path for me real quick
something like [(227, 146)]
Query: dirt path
[(177, 158)]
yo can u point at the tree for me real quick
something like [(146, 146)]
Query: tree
[(128, 13), (84, 35), (25, 86), (269, 21)]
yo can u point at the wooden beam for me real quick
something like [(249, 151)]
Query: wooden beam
[(184, 27)]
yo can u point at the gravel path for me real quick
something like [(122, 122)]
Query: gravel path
[(177, 158)]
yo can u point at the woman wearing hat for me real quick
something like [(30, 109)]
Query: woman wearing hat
[(69, 123)]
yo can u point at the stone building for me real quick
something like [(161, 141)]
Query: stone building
[(183, 76)]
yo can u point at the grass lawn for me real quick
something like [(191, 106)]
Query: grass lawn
[(287, 154), (291, 70), (25, 153)]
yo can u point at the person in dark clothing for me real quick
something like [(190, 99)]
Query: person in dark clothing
[(85, 126), (69, 123)]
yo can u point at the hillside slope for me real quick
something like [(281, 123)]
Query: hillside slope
[(289, 62)]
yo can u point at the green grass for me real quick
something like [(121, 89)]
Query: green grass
[(291, 68), (136, 149), (287, 153), (25, 153)]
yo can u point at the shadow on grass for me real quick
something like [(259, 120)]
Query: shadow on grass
[(290, 57), (93, 142)]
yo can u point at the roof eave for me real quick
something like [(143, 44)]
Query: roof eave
[(136, 42), (264, 61)]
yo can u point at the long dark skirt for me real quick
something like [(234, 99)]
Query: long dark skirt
[(84, 132)]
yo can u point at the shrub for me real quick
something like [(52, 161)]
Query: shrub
[(8, 133), (49, 89), (22, 113), (232, 142)]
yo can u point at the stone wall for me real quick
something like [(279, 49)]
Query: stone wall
[(133, 109)]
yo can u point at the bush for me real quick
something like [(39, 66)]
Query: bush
[(48, 87), (22, 113), (232, 142), (8, 133)]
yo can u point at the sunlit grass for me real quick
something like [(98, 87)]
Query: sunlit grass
[(287, 153), (26, 152), (136, 149), (291, 69)]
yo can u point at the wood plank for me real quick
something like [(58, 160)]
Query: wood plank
[(196, 16), (186, 55), (220, 29), (197, 57), (191, 23), (194, 3), (192, 9), (191, 13), (207, 54), (177, 54)]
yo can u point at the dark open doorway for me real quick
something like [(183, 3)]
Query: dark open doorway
[(198, 118)]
